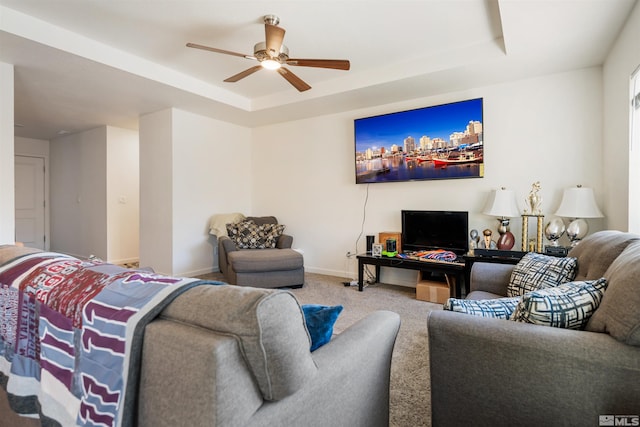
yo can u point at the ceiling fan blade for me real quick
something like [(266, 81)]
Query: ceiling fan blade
[(273, 37), (243, 74), (296, 81), (337, 64), (213, 49)]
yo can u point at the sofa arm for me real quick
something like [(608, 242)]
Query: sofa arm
[(225, 245), (498, 372), (284, 241), (352, 385), (490, 277)]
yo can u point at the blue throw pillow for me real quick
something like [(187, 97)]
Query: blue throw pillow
[(320, 320)]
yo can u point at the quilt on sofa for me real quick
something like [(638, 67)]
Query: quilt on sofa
[(70, 337)]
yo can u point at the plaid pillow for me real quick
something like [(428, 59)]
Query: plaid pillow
[(566, 306), (538, 271), (500, 308)]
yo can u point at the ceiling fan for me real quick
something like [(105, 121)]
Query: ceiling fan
[(272, 55)]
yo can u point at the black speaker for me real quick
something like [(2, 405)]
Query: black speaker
[(370, 240), (391, 245)]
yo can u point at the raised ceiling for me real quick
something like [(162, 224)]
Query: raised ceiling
[(85, 63)]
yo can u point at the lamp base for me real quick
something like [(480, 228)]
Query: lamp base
[(559, 251), (506, 241), (576, 230)]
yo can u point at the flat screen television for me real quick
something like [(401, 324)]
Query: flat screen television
[(437, 142), (428, 230)]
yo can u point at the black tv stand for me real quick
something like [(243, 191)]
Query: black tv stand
[(492, 256), (453, 268)]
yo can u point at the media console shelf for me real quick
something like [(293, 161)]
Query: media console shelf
[(492, 256), (455, 269)]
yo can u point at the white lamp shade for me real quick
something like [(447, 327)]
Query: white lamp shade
[(578, 202), (502, 203)]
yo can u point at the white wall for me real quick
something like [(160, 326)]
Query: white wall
[(123, 195), (620, 168), (192, 167), (156, 191), (7, 198), (90, 174), (211, 175), (78, 193), (547, 128), (38, 148)]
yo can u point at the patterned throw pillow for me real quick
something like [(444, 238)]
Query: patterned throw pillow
[(500, 308), (272, 233), (566, 306), (249, 235), (538, 271)]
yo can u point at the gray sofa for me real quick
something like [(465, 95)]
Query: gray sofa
[(224, 355), (263, 268), (237, 356), (493, 372)]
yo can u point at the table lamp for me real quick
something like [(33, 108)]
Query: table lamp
[(502, 204), (578, 203)]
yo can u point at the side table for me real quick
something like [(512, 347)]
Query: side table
[(499, 257)]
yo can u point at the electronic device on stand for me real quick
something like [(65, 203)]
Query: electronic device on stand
[(391, 249)]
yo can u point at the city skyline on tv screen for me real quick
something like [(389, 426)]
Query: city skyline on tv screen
[(436, 142)]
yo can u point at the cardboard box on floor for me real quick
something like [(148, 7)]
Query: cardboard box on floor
[(431, 291)]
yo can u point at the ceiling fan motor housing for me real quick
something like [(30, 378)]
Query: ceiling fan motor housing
[(261, 54)]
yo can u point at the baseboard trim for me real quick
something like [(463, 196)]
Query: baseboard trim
[(199, 272), (326, 272)]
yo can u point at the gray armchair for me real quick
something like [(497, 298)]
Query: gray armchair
[(261, 268)]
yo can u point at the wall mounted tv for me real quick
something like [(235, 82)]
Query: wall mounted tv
[(438, 142), (428, 230)]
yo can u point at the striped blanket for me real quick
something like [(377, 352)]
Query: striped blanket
[(70, 336)]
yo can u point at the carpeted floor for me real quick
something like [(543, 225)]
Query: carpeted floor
[(410, 400)]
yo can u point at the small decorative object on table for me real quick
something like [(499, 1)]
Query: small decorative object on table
[(376, 249), (474, 241), (525, 232), (487, 243), (534, 204), (534, 200), (553, 232)]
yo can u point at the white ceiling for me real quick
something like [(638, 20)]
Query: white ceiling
[(85, 63)]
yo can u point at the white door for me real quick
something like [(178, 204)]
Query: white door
[(30, 201)]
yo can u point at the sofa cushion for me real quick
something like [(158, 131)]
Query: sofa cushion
[(618, 314), (568, 306), (500, 308), (319, 320), (254, 260), (597, 251), (249, 235), (538, 271), (269, 325)]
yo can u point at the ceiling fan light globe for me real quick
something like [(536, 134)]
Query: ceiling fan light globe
[(270, 64)]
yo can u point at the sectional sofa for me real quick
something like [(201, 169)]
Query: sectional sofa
[(496, 372)]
